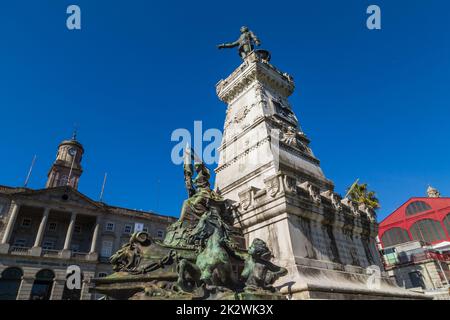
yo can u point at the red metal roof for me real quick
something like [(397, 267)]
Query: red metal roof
[(440, 208)]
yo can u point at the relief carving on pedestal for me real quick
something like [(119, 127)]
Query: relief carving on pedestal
[(351, 205), (370, 213), (313, 191), (334, 198), (228, 119), (291, 136), (272, 185), (241, 114), (290, 184), (336, 201), (245, 199)]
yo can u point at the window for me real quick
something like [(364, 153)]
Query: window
[(447, 223), (75, 247), (109, 226), (52, 226), (42, 285), (417, 207), (427, 230), (106, 249), (395, 236), (22, 243), (145, 229), (26, 222), (127, 229), (64, 181), (160, 234), (77, 229), (416, 279), (48, 245), (9, 283), (390, 257), (2, 207), (102, 274)]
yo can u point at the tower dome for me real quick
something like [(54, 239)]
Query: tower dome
[(66, 170)]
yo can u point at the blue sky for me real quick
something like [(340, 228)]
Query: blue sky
[(374, 103)]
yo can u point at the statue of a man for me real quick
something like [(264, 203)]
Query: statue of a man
[(246, 42), (199, 189)]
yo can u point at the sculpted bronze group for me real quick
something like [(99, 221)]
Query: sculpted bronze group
[(203, 255)]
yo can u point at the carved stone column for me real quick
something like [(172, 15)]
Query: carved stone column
[(85, 294), (66, 253), (58, 289), (93, 255), (37, 249), (4, 246), (25, 288)]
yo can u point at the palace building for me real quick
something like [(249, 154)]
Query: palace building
[(43, 232)]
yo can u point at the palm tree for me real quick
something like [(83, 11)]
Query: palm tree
[(360, 194)]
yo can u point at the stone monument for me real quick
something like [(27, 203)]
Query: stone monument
[(271, 200), (268, 169), (202, 256)]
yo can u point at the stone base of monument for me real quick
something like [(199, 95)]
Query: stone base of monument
[(123, 286), (148, 269), (120, 286), (260, 296), (317, 283)]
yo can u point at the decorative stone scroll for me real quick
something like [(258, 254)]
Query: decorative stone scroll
[(290, 184), (313, 191), (334, 198), (368, 211), (246, 197), (272, 185), (353, 207)]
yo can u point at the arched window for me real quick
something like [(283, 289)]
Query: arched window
[(447, 222), (42, 285), (9, 283), (64, 181), (427, 230), (417, 207), (395, 236)]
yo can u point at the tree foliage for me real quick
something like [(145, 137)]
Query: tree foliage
[(361, 194)]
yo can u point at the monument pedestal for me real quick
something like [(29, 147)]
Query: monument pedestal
[(268, 169)]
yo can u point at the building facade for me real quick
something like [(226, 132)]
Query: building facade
[(414, 242), (424, 219), (44, 232)]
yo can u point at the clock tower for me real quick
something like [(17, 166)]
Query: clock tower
[(66, 170)]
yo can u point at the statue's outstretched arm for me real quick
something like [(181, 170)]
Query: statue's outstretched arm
[(228, 45)]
